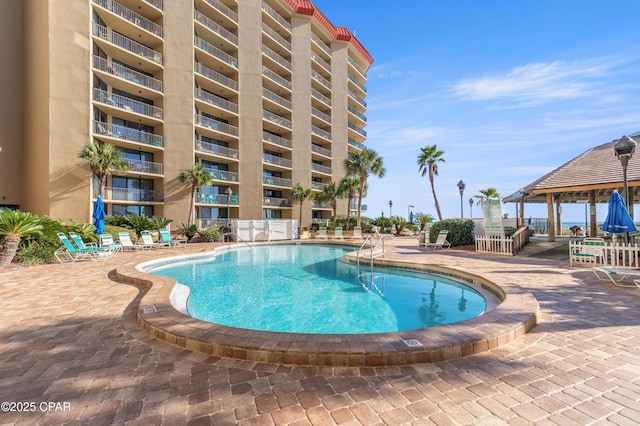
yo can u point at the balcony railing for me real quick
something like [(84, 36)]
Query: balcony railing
[(212, 148), (276, 57), (223, 175), (319, 132), (320, 150), (355, 81), (217, 199), (215, 76), (278, 161), (276, 37), (353, 143), (357, 129), (275, 118), (126, 43), (276, 98), (321, 115), (321, 205), (320, 168), (277, 140), (326, 83), (356, 66), (276, 16), (215, 100), (357, 98), (276, 202), (216, 125), (138, 166), (276, 181), (130, 15), (275, 77), (139, 195), (356, 113), (220, 7), (324, 64), (155, 3), (126, 73), (215, 52), (321, 44), (126, 104), (317, 185), (122, 132), (215, 28), (320, 97), (205, 223)]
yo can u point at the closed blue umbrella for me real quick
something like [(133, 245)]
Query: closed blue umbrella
[(411, 217), (618, 219), (98, 216)]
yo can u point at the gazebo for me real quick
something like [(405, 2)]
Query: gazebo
[(589, 178)]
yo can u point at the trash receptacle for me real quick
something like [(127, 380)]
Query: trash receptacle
[(422, 238)]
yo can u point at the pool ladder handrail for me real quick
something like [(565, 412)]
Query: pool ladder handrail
[(370, 282)]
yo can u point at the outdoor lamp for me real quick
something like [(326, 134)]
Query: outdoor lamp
[(390, 205), (229, 193), (624, 149), (461, 187), (471, 208)]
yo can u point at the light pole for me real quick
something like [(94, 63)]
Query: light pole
[(471, 208), (461, 187), (390, 205), (229, 193), (409, 212), (624, 149)]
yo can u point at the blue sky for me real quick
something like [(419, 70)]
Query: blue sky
[(509, 90)]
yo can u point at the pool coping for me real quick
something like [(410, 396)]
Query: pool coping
[(512, 318)]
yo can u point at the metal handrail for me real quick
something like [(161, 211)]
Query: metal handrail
[(373, 248)]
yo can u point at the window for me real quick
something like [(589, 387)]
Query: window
[(121, 210)]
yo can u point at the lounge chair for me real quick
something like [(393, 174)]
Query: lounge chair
[(70, 253), (591, 250), (100, 252), (357, 233), (165, 237), (127, 244), (322, 234), (441, 241), (106, 240), (622, 273), (147, 240), (338, 233)]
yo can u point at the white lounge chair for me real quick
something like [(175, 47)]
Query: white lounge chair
[(337, 235), (622, 273), (322, 234), (357, 233), (147, 240), (106, 240), (127, 244), (441, 241)]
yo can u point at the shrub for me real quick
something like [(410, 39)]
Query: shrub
[(460, 231), (509, 231), (211, 235), (35, 253), (188, 231), (115, 230)]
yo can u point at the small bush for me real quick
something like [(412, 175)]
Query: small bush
[(212, 235), (115, 230), (460, 231), (35, 254)]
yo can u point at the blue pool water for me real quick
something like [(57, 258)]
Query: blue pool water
[(306, 289)]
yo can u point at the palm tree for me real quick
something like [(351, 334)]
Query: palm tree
[(104, 160), (423, 219), (331, 193), (14, 225), (197, 177), (349, 186), (362, 164), (301, 194), (428, 161), (487, 194)]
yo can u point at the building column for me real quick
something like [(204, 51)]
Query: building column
[(552, 229), (592, 214)]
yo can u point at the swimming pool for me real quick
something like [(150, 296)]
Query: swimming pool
[(307, 289)]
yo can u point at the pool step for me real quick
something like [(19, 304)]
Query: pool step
[(370, 282)]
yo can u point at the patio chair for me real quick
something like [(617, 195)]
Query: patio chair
[(147, 240), (70, 253), (622, 273), (165, 237), (338, 233), (322, 234), (125, 241), (106, 240), (591, 250), (441, 241), (91, 247), (357, 233)]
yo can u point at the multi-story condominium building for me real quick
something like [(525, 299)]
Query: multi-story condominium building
[(264, 94)]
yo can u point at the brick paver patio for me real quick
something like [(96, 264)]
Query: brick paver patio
[(69, 337)]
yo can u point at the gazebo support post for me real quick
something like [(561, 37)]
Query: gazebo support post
[(592, 214), (552, 228), (630, 203), (522, 211), (558, 217)]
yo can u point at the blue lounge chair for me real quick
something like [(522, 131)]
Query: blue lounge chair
[(91, 247), (165, 237), (147, 240), (70, 253)]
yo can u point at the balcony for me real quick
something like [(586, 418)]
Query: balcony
[(321, 133), (216, 28), (222, 175), (321, 115), (276, 17), (357, 67), (318, 60), (133, 48), (276, 78), (218, 199), (355, 144), (276, 99), (355, 82), (130, 16), (276, 181), (127, 105), (319, 96), (148, 167), (133, 195), (217, 150), (357, 129), (277, 161), (216, 101), (320, 150), (216, 77), (320, 79), (275, 118), (357, 98), (213, 51), (216, 126), (275, 202), (273, 35), (223, 9), (321, 205), (357, 114), (276, 140), (155, 3), (317, 186), (278, 59), (122, 72), (127, 134), (321, 44), (320, 168)]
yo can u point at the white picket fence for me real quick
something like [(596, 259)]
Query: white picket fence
[(608, 254), (506, 246)]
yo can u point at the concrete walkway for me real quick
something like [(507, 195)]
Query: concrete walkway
[(69, 336)]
